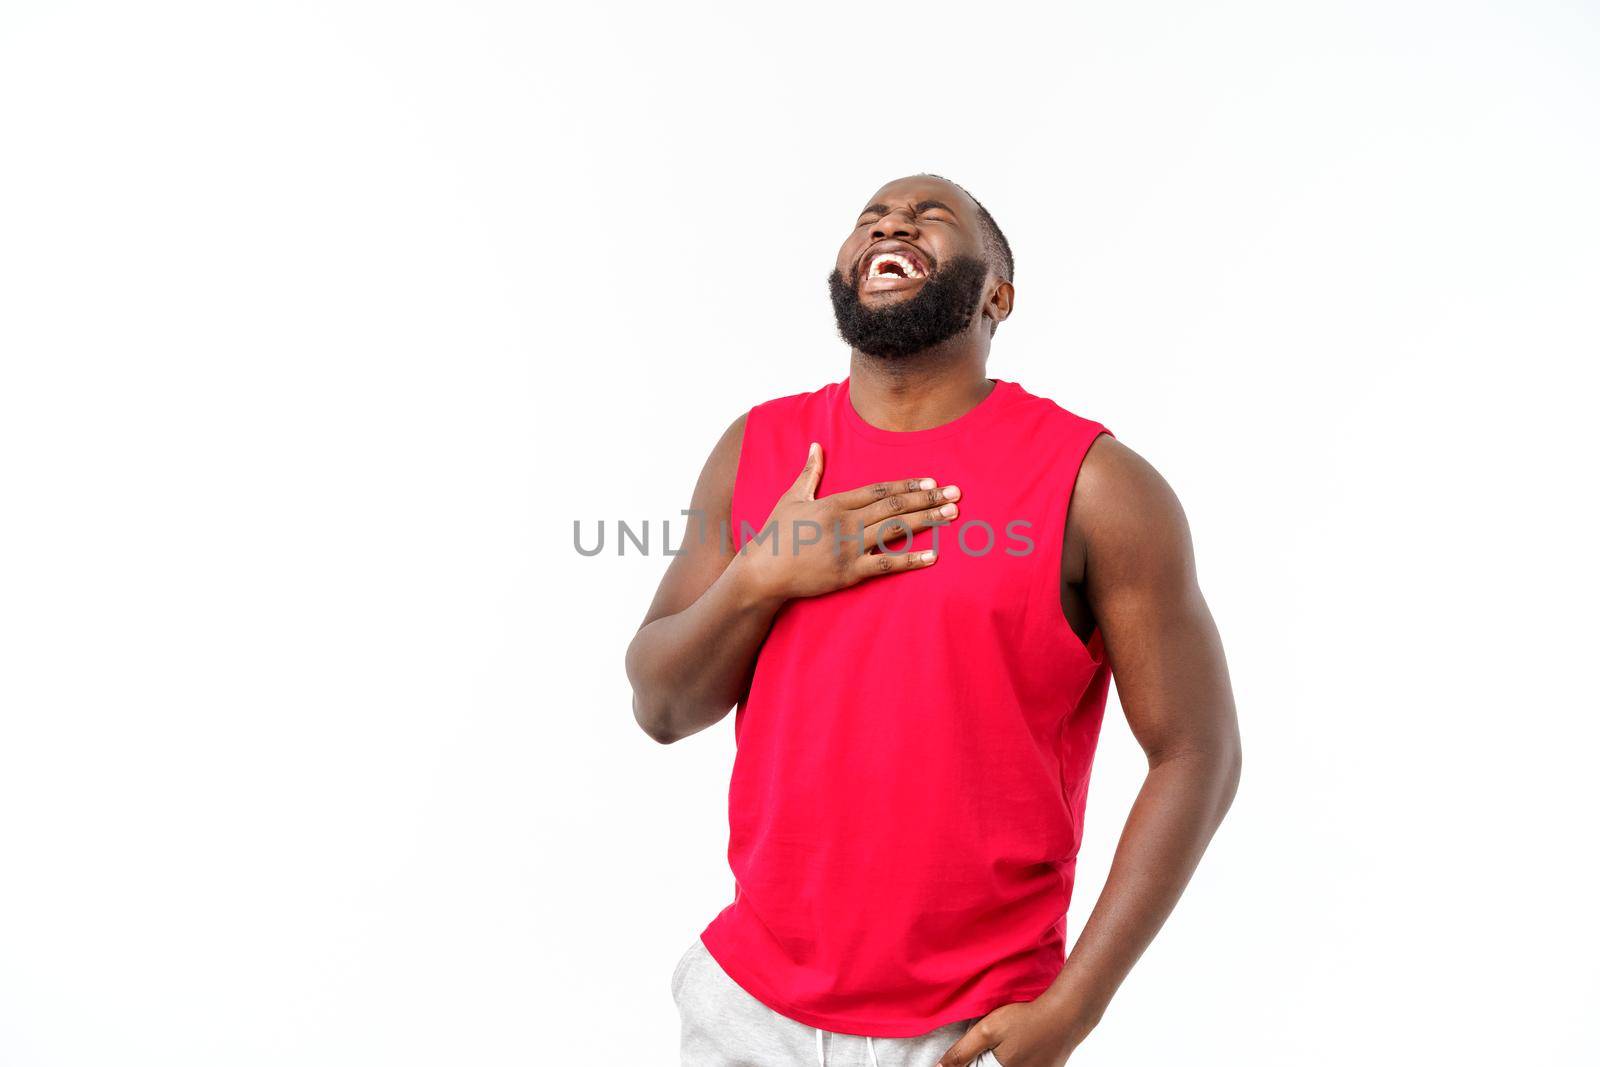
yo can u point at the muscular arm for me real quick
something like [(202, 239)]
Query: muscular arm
[(691, 659), (1138, 577), (1129, 565)]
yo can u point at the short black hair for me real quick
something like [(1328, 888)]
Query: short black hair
[(995, 246)]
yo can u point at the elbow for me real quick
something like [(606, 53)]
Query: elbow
[(669, 710), (655, 721), (1230, 769), (652, 714)]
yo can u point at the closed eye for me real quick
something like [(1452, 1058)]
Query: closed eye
[(922, 216)]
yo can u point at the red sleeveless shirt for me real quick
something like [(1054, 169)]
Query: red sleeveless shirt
[(913, 755)]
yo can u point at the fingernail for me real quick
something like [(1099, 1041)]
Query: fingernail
[(948, 511), (952, 493), (929, 557), (926, 483)]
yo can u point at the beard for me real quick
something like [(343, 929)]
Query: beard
[(942, 308)]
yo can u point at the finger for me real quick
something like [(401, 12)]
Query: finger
[(876, 564), (896, 527), (964, 1052), (860, 498), (805, 486), (906, 503)]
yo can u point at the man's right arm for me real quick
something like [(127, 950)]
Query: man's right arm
[(692, 657), (694, 654)]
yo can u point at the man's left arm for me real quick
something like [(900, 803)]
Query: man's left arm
[(1138, 575)]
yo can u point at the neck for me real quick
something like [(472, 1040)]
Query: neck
[(918, 392)]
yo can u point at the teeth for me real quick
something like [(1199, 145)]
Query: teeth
[(874, 268)]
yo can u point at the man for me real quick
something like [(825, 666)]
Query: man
[(915, 585)]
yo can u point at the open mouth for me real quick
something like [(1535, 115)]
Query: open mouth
[(898, 266), (893, 265)]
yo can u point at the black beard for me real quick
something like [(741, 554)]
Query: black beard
[(942, 308)]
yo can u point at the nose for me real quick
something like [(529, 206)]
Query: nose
[(895, 224)]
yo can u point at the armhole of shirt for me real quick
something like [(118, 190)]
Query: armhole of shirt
[(1053, 538), (743, 473)]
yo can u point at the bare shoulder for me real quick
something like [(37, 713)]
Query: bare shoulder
[(1127, 521), (722, 465), (704, 551)]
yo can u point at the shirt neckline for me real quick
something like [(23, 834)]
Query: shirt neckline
[(1002, 392)]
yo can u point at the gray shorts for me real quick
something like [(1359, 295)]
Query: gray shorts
[(724, 1026)]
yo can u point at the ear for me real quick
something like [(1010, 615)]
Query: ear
[(998, 306)]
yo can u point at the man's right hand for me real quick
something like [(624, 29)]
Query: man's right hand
[(808, 546)]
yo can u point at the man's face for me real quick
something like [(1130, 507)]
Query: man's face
[(911, 274)]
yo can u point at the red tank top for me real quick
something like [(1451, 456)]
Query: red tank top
[(907, 796)]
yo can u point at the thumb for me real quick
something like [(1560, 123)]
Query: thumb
[(964, 1053), (968, 1052), (805, 486)]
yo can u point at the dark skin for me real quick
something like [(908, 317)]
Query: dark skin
[(1127, 568)]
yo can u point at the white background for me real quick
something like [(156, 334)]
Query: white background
[(322, 323)]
